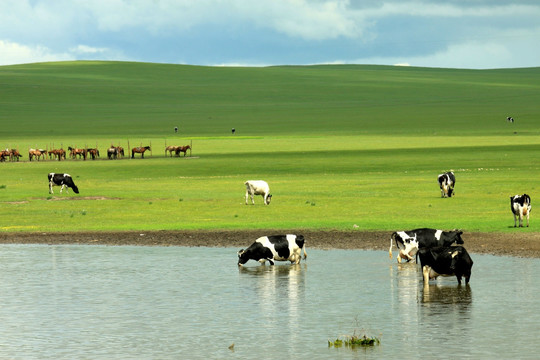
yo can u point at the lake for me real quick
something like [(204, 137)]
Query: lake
[(129, 302)]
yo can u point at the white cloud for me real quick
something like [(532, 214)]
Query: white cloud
[(13, 53), (504, 50), (84, 49)]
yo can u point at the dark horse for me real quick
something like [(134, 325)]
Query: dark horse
[(183, 149), (140, 150)]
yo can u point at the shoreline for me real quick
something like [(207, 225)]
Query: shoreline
[(514, 244)]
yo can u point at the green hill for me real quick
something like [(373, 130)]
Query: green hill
[(341, 146), (127, 99)]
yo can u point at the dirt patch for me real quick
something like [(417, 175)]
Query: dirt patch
[(506, 244)]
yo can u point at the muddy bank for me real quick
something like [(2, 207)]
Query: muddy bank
[(509, 244)]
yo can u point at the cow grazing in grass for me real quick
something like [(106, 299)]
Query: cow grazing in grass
[(258, 187), (521, 206), (447, 181), (62, 180), (274, 248)]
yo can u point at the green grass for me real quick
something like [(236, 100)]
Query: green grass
[(339, 145)]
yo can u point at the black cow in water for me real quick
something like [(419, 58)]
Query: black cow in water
[(521, 206), (63, 180), (274, 248), (445, 261), (447, 181)]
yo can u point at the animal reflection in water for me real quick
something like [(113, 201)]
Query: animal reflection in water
[(451, 294), (278, 270)]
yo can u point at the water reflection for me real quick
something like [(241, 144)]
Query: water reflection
[(457, 294), (280, 290)]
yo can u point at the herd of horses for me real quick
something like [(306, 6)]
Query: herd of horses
[(113, 152)]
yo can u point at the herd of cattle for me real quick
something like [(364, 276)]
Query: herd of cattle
[(440, 252), (113, 152), (434, 248)]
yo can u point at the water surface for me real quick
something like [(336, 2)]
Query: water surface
[(108, 302)]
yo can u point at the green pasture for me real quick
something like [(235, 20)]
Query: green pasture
[(342, 147)]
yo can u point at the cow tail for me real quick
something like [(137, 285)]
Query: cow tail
[(390, 250)]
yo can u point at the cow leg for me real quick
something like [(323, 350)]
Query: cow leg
[(270, 261), (425, 272), (50, 188), (515, 221), (247, 195), (527, 219)]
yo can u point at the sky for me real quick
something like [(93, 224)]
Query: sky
[(465, 34)]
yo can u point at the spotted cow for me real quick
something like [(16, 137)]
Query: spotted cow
[(274, 248)]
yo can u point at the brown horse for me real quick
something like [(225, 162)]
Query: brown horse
[(74, 152), (57, 153), (171, 149), (12, 154), (93, 153), (183, 149), (140, 150), (4, 154), (35, 153)]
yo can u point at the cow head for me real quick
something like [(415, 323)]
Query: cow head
[(242, 257), (268, 199), (457, 236)]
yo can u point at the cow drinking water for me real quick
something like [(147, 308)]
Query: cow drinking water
[(63, 180), (274, 248), (521, 206)]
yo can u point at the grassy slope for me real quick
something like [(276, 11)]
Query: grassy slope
[(364, 142)]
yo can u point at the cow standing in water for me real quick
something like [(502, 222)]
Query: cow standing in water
[(521, 206), (445, 261), (274, 248), (63, 180), (447, 181), (409, 242)]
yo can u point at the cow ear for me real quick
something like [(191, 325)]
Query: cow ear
[(241, 252)]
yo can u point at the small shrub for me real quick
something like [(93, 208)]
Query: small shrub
[(353, 341), (2, 186), (83, 212)]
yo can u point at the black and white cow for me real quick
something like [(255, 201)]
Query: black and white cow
[(409, 242), (447, 181), (445, 261), (274, 248), (521, 206), (63, 180), (258, 187)]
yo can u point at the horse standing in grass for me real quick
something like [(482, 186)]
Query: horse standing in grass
[(183, 149), (171, 149), (93, 153), (140, 150)]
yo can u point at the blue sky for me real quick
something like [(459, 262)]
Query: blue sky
[(473, 34)]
